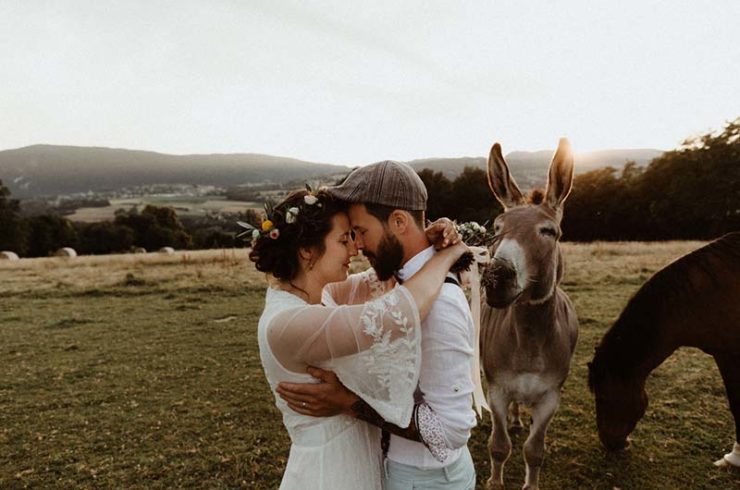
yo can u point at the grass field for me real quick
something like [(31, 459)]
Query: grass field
[(142, 371), (184, 205)]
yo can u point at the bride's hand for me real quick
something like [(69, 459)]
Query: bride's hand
[(442, 233)]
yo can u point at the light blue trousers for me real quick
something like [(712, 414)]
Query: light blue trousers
[(459, 475)]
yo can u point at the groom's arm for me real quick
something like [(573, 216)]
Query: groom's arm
[(331, 397)]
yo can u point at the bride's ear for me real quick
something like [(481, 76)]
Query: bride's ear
[(305, 254), (308, 256)]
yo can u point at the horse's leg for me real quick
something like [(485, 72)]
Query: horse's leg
[(534, 447), (515, 424), (499, 444), (729, 368)]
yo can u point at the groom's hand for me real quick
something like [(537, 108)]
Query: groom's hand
[(324, 399)]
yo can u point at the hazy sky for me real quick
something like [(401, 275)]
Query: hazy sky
[(354, 82)]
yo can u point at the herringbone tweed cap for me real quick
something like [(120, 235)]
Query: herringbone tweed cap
[(388, 183)]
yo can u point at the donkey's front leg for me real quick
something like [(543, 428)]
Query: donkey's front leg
[(534, 447), (499, 444)]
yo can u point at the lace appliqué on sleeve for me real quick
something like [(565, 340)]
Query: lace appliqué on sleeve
[(386, 374)]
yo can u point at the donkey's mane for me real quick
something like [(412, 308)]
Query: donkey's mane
[(535, 196), (634, 335)]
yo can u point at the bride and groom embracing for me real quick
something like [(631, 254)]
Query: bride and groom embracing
[(390, 349)]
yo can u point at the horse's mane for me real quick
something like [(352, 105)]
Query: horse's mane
[(634, 335)]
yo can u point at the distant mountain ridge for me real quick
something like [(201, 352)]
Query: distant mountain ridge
[(49, 170), (44, 170), (529, 168)]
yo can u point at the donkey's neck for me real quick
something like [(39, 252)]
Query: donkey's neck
[(535, 319)]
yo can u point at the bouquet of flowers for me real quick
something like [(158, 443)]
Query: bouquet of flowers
[(473, 234)]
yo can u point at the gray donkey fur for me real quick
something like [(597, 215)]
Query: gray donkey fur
[(529, 327)]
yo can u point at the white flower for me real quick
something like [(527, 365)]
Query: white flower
[(255, 234), (291, 215), (310, 199)]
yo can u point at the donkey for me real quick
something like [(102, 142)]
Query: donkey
[(529, 327)]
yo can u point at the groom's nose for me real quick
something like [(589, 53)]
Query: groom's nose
[(358, 241)]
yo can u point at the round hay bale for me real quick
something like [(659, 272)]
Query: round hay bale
[(167, 250), (68, 252), (139, 250), (8, 255)]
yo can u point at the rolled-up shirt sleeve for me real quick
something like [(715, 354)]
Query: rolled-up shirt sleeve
[(447, 355)]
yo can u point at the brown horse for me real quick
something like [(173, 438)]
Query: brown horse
[(695, 301), (528, 325)]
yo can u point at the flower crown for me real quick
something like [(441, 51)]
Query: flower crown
[(268, 227)]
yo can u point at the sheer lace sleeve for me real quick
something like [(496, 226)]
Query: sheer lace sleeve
[(374, 348), (357, 289)]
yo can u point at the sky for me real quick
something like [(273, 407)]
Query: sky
[(352, 82)]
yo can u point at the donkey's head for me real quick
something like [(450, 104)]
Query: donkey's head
[(526, 262)]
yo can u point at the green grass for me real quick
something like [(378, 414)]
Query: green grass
[(144, 372)]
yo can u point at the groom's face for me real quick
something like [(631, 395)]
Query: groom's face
[(376, 242)]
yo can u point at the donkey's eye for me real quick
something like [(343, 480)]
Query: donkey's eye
[(548, 231)]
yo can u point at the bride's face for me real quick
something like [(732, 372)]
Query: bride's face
[(339, 248)]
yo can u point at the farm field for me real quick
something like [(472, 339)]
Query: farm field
[(184, 205), (143, 371)]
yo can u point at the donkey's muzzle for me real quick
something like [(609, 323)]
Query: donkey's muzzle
[(500, 283)]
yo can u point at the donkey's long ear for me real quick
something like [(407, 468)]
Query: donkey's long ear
[(500, 181), (560, 180)]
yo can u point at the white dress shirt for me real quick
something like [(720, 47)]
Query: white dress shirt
[(447, 339)]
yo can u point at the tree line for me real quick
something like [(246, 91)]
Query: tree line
[(692, 192)]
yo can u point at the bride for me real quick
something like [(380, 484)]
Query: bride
[(304, 244)]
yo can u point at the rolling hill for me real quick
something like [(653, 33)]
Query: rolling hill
[(47, 170)]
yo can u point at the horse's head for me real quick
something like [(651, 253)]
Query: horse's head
[(621, 402), (526, 262)]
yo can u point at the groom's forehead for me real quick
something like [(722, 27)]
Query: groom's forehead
[(359, 216)]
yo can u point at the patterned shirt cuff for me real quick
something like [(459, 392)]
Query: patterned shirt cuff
[(431, 431)]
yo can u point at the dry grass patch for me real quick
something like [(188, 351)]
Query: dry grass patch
[(143, 372)]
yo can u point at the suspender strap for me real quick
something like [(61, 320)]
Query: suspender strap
[(450, 280)]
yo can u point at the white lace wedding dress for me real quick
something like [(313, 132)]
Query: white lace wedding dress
[(375, 350)]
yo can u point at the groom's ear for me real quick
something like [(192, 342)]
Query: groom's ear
[(399, 222)]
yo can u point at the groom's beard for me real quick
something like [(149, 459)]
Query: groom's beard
[(388, 259)]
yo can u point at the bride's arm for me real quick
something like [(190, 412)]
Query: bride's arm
[(364, 286), (315, 333)]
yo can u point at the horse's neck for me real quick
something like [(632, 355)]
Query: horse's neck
[(641, 348)]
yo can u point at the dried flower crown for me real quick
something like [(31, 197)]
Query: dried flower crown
[(268, 226)]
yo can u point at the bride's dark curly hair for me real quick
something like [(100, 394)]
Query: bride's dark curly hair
[(279, 256)]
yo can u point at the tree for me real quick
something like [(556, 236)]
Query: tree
[(471, 199), (439, 193), (48, 233), (12, 230), (104, 237), (155, 227)]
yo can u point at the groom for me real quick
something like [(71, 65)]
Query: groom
[(387, 201)]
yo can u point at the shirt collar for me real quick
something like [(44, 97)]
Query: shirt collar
[(415, 263)]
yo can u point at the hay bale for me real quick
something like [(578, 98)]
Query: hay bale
[(8, 255), (139, 250), (68, 252), (167, 250)]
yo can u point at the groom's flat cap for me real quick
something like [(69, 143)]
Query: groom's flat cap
[(389, 183)]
